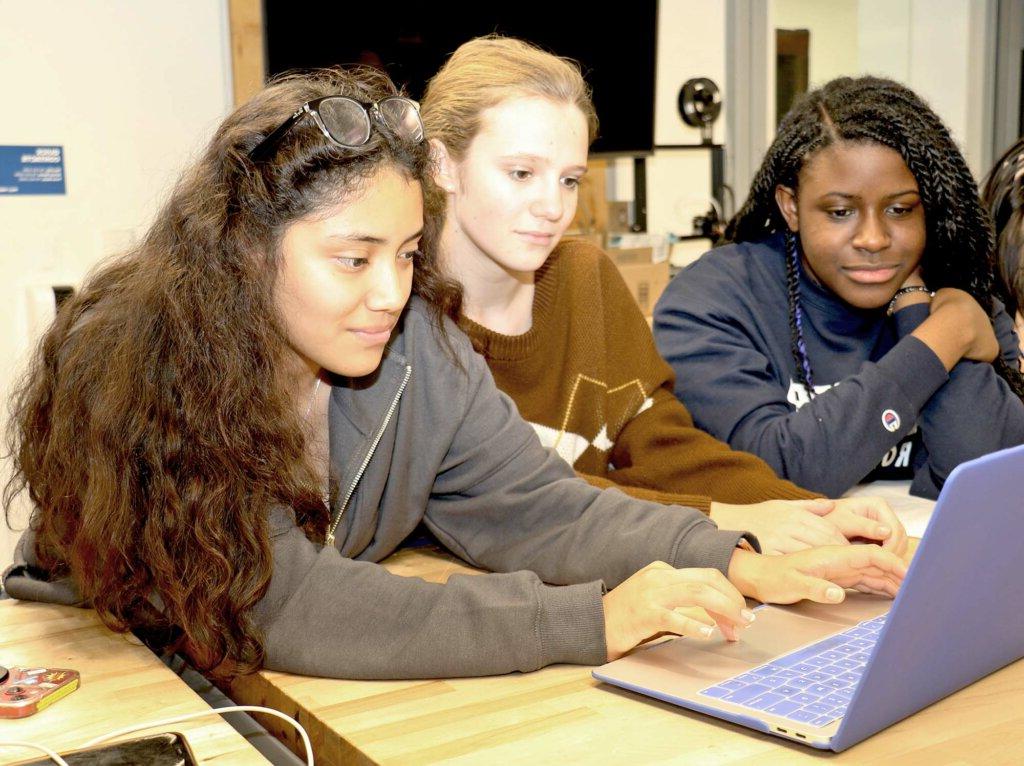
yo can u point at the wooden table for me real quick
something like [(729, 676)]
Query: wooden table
[(562, 715), (123, 683)]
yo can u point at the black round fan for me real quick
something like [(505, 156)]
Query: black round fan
[(700, 103)]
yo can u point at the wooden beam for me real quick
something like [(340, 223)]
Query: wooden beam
[(249, 69)]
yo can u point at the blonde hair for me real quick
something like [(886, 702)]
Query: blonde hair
[(488, 70)]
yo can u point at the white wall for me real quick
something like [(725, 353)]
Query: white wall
[(833, 34), (883, 34), (130, 90), (691, 43), (939, 59), (937, 48)]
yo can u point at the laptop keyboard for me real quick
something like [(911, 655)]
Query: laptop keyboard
[(812, 685)]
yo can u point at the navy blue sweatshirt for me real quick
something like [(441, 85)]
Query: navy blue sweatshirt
[(884, 406)]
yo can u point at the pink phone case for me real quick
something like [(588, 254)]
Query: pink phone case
[(28, 690)]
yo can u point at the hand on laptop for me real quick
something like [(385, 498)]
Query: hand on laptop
[(654, 601), (817, 574), (645, 605)]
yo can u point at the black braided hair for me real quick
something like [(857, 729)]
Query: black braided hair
[(796, 314), (960, 244), (1003, 195)]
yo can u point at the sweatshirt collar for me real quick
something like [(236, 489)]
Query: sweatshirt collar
[(833, 314), (515, 348)]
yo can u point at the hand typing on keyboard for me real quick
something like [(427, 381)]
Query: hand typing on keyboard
[(661, 599)]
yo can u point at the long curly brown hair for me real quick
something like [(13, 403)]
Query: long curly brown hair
[(154, 430)]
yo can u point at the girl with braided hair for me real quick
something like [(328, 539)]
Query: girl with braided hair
[(1003, 195), (852, 329)]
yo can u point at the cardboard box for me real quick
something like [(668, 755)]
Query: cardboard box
[(657, 243), (646, 281), (619, 216), (631, 256), (683, 252)]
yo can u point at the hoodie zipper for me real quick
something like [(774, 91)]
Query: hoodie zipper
[(366, 460)]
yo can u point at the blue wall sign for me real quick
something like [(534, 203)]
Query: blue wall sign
[(31, 170)]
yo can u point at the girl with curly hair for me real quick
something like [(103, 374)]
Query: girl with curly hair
[(227, 429), (853, 329)]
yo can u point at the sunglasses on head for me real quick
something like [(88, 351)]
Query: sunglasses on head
[(348, 123)]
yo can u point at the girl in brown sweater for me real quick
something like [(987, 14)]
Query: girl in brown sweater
[(509, 127)]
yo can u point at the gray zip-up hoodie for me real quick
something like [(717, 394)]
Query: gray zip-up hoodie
[(421, 440)]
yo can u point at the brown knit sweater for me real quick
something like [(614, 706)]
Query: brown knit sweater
[(589, 379)]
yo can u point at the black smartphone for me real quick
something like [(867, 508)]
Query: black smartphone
[(167, 749)]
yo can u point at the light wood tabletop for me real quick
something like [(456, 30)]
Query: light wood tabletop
[(122, 683), (562, 715)]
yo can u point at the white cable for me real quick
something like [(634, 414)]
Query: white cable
[(60, 761), (218, 711), (718, 208)]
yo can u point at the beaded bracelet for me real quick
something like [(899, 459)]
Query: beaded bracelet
[(904, 291)]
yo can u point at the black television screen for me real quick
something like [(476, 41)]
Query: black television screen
[(616, 50)]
